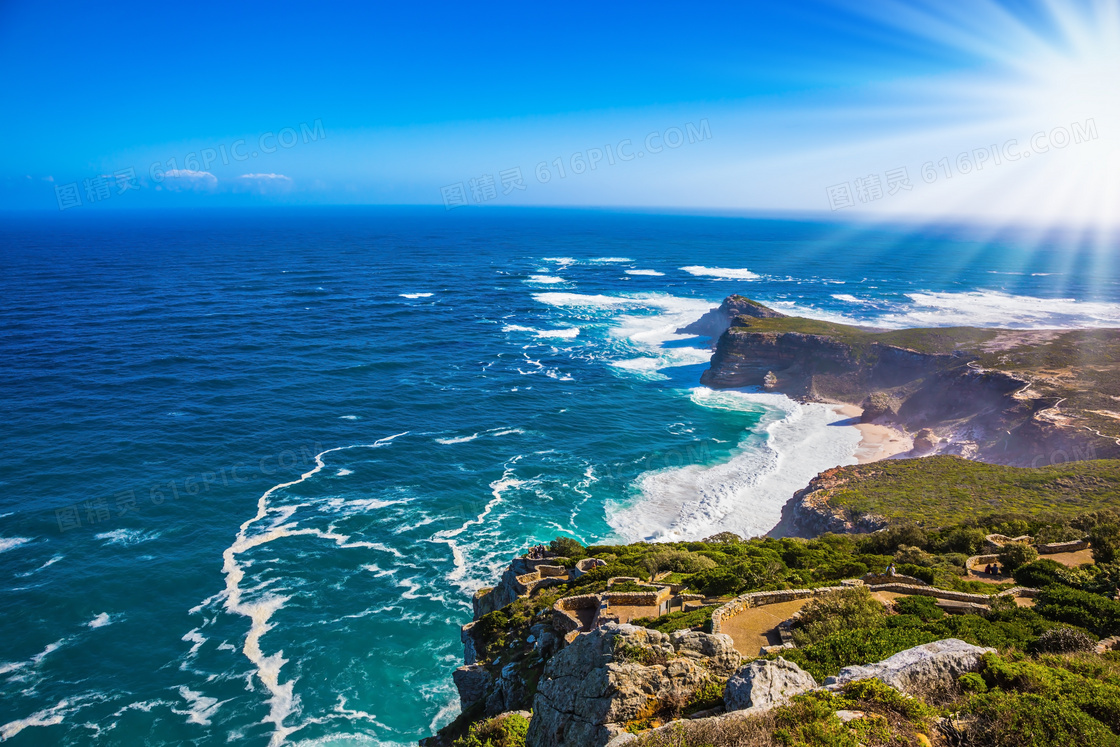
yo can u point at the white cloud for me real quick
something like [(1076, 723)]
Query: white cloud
[(181, 179), (264, 183), (267, 177)]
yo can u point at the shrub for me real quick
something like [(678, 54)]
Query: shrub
[(856, 646), (701, 618), (1104, 540), (971, 682), (716, 582), (1015, 555), (501, 731), (908, 555), (566, 547), (965, 540), (677, 561), (1028, 720), (849, 608), (1064, 641), (1038, 574), (924, 608), (1095, 613)]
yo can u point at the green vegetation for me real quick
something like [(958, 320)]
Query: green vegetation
[(700, 619), (1010, 628), (501, 731), (851, 608), (934, 340), (1014, 555), (941, 490)]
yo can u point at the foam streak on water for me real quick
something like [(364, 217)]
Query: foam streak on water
[(260, 611)]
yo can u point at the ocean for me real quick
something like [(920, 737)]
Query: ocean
[(257, 461)]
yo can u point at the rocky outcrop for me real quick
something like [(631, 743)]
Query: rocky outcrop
[(621, 673), (1002, 415), (473, 683), (523, 576), (922, 669), (762, 684), (809, 514), (718, 320), (917, 671), (925, 441)]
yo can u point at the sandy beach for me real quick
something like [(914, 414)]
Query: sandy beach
[(877, 441)]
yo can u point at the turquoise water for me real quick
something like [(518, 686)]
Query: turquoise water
[(257, 462)]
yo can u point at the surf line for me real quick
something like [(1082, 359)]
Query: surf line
[(268, 667)]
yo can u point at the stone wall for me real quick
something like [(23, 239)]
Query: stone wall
[(1056, 547), (763, 598), (886, 578), (564, 619)]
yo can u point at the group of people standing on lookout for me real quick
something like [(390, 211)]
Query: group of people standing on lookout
[(537, 552)]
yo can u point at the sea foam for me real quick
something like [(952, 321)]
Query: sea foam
[(721, 273), (745, 493)]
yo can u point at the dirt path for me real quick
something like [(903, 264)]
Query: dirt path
[(626, 614), (754, 628)]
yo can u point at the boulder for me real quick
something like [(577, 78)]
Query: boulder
[(762, 684), (717, 648), (614, 674), (925, 441), (879, 405), (933, 666)]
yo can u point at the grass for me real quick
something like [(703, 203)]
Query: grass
[(946, 490)]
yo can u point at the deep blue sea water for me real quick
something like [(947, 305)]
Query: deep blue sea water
[(256, 462)]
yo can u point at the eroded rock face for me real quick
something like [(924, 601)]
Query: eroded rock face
[(718, 320), (472, 682), (616, 674), (933, 666), (718, 650), (762, 684)]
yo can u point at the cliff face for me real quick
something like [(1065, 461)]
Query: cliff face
[(982, 413), (718, 320)]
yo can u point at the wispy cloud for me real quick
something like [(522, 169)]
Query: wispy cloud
[(182, 179)]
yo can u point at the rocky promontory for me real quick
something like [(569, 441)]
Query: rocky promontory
[(1004, 396)]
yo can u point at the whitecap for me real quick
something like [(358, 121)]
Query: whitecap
[(200, 707), (100, 621), (347, 417), (126, 537), (48, 564), (47, 717), (457, 439), (650, 273), (721, 273), (545, 279), (11, 543), (417, 295), (612, 259), (996, 309), (344, 472), (566, 334)]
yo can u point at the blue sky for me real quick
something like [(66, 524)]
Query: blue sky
[(405, 101)]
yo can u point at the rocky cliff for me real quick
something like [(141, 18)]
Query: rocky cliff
[(998, 395)]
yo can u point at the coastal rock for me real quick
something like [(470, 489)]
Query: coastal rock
[(762, 684), (1005, 415), (879, 406), (718, 320), (925, 441), (718, 649), (809, 514), (933, 666), (615, 674), (473, 682)]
